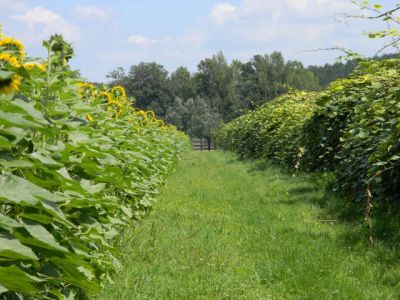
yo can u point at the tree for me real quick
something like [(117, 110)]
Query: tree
[(194, 116), (299, 77), (182, 84), (148, 83), (266, 77), (177, 114), (118, 77), (215, 82), (203, 120), (330, 72)]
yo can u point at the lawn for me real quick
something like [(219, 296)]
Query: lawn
[(225, 229)]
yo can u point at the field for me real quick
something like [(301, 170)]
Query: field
[(224, 229), (103, 196)]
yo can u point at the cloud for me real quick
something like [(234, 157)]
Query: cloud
[(222, 12), (280, 22), (141, 40), (262, 10), (42, 22), (38, 15), (91, 11)]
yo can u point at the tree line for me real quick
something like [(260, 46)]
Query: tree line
[(219, 91)]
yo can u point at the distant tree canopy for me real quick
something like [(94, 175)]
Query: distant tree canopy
[(195, 116), (265, 77), (330, 72), (220, 91)]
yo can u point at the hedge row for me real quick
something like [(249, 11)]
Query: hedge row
[(77, 166), (351, 129)]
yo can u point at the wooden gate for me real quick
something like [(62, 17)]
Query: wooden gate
[(202, 144)]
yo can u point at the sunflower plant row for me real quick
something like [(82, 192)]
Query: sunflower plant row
[(78, 164), (351, 129)]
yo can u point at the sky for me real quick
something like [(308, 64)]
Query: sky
[(111, 33)]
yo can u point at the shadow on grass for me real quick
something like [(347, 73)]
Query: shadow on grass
[(317, 189)]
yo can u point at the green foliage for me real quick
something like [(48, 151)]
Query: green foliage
[(388, 15), (328, 73), (182, 84), (229, 89), (351, 129), (215, 82), (148, 83), (62, 50), (74, 173), (194, 116), (272, 130), (266, 77), (355, 131)]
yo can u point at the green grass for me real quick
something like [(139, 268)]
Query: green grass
[(225, 229)]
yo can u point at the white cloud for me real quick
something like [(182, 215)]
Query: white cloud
[(92, 11), (297, 8), (143, 41), (222, 12), (267, 21), (42, 22), (38, 15)]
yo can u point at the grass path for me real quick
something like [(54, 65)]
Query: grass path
[(224, 229)]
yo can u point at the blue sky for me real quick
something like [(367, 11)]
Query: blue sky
[(107, 34)]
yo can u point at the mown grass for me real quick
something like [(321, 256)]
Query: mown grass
[(225, 229)]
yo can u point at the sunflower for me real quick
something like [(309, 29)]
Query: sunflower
[(116, 103), (12, 83), (115, 107), (9, 44), (85, 89), (118, 92), (105, 96), (151, 115), (161, 123), (35, 66), (143, 114)]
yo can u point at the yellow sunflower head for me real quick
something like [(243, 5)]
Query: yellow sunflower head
[(151, 115), (115, 107), (142, 114), (161, 123), (35, 66), (85, 89), (115, 103), (12, 83), (118, 92), (12, 46), (105, 97)]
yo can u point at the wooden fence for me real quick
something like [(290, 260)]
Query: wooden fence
[(202, 144)]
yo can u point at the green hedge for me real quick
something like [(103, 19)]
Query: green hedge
[(355, 131), (351, 129), (271, 131)]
